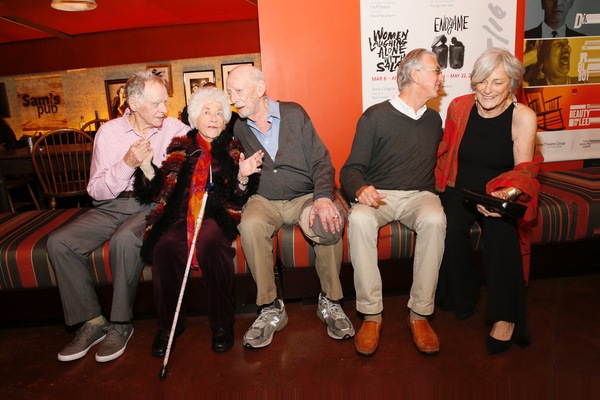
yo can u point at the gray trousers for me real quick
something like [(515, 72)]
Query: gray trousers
[(123, 221)]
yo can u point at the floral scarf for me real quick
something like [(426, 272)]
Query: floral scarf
[(197, 189)]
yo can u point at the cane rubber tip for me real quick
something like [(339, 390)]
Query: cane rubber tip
[(163, 372)]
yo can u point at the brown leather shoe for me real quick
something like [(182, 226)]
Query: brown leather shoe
[(367, 338), (425, 338)]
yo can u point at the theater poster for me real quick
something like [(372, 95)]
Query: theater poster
[(457, 31), (562, 78)]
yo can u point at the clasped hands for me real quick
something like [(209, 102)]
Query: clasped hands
[(140, 154)]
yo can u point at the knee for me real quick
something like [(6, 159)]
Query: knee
[(125, 237), (208, 244), (360, 217), (57, 241), (251, 224), (433, 220)]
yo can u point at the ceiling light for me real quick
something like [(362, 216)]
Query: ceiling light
[(74, 5)]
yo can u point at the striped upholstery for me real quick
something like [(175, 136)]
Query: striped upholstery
[(569, 206), (395, 241), (24, 263), (569, 210)]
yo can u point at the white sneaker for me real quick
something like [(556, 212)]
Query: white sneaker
[(338, 325), (271, 319)]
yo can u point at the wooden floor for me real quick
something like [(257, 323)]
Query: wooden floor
[(303, 362)]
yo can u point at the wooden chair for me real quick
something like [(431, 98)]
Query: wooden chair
[(91, 127), (61, 160), (17, 182), (549, 112)]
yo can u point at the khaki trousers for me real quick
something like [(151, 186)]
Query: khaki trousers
[(420, 211), (261, 219)]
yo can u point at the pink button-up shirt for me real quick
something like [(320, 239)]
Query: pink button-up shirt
[(109, 174)]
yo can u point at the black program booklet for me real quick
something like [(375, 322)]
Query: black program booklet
[(505, 207)]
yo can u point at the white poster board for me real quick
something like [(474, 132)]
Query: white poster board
[(458, 31), (563, 74)]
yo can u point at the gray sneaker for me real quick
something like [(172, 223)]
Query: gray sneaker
[(117, 336), (271, 319), (87, 336), (338, 324)]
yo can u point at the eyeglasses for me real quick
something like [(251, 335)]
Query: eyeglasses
[(437, 71)]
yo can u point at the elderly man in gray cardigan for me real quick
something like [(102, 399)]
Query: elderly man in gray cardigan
[(296, 187)]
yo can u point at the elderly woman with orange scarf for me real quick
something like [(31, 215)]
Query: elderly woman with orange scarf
[(206, 159), (489, 147)]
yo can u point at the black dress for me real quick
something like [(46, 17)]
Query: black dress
[(486, 151)]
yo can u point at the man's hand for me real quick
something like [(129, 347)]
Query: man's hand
[(147, 167), (331, 219), (369, 196), (250, 165), (139, 152)]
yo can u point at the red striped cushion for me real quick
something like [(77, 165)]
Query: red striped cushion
[(573, 198), (569, 210), (554, 220), (394, 241), (23, 260)]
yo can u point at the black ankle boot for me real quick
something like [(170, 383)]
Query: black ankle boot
[(495, 346)]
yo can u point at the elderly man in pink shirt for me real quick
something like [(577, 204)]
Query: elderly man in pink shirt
[(120, 147)]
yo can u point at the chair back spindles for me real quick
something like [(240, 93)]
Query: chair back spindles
[(61, 159)]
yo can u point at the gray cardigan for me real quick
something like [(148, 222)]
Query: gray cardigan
[(302, 164)]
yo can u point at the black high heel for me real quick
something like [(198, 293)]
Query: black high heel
[(522, 337), (495, 346)]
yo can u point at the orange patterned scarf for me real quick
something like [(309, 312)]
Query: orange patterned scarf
[(197, 189)]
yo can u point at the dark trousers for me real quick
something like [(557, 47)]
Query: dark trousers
[(459, 282), (215, 256)]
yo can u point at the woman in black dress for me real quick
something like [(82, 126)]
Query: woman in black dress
[(488, 147)]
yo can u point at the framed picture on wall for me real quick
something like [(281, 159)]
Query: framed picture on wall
[(115, 97), (164, 71), (226, 68), (4, 106), (193, 80)]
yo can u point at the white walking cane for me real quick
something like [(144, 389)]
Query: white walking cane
[(163, 370)]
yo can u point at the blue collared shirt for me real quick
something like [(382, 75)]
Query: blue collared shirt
[(270, 140)]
